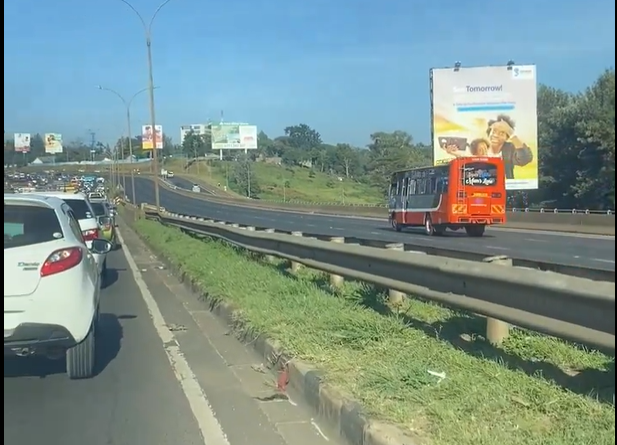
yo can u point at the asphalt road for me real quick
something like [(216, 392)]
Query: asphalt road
[(592, 251), (169, 374)]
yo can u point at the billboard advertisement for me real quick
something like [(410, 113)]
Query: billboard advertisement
[(488, 111), (231, 136), (22, 142), (199, 129), (53, 143), (148, 137)]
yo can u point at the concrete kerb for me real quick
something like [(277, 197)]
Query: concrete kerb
[(340, 414)]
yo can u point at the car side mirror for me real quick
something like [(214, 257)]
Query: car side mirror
[(100, 246)]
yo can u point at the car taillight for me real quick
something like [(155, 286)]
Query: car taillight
[(61, 260), (90, 235)]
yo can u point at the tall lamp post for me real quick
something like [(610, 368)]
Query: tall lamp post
[(127, 106), (148, 30)]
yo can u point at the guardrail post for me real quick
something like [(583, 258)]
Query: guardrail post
[(337, 280), (395, 297), (250, 228), (235, 225), (295, 267), (270, 258), (497, 330)]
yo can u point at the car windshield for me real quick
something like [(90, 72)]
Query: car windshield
[(80, 208), (25, 225), (99, 208)]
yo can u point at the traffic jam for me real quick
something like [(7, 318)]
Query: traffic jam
[(58, 231)]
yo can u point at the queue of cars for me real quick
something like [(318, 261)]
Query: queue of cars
[(55, 261)]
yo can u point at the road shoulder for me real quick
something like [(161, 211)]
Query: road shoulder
[(240, 389)]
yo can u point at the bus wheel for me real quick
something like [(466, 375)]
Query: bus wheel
[(396, 226), (429, 228), (475, 230)]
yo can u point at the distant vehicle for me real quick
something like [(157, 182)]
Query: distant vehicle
[(196, 188), (88, 222), (170, 174), (51, 283), (468, 193), (106, 221), (96, 196)]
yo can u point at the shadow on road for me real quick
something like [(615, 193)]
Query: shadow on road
[(111, 276), (108, 344)]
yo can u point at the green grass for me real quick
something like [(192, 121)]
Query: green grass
[(535, 390), (290, 183)]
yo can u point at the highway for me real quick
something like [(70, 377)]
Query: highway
[(592, 251), (168, 374)]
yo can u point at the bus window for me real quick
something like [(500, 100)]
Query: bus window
[(412, 186), (394, 189), (421, 186), (442, 185), (404, 188), (433, 186), (479, 174)]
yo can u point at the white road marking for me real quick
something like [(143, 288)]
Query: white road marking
[(207, 422), (497, 248), (600, 260)]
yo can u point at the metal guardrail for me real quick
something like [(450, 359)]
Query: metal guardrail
[(568, 307), (573, 271)]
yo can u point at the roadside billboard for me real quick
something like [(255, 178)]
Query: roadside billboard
[(148, 137), (53, 143), (487, 111), (22, 142), (198, 129), (233, 136)]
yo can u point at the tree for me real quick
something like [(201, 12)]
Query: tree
[(577, 146), (243, 179), (303, 137)]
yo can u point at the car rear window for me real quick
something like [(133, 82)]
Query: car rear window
[(25, 225), (99, 208), (80, 208)]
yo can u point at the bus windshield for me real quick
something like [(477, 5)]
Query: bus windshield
[(479, 174)]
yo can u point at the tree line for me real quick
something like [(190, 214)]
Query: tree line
[(576, 150)]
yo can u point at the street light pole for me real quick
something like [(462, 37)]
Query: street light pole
[(148, 31), (127, 106)]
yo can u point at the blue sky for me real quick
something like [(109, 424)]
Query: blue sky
[(345, 67)]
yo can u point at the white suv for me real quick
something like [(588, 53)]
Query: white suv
[(90, 228), (51, 283)]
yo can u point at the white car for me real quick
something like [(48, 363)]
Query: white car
[(96, 195), (51, 283), (90, 228)]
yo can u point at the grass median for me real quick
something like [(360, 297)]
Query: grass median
[(424, 368)]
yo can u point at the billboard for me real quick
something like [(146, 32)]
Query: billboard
[(22, 142), (487, 111), (199, 129), (233, 136), (148, 138), (53, 143)]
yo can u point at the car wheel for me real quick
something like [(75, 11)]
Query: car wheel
[(80, 359)]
